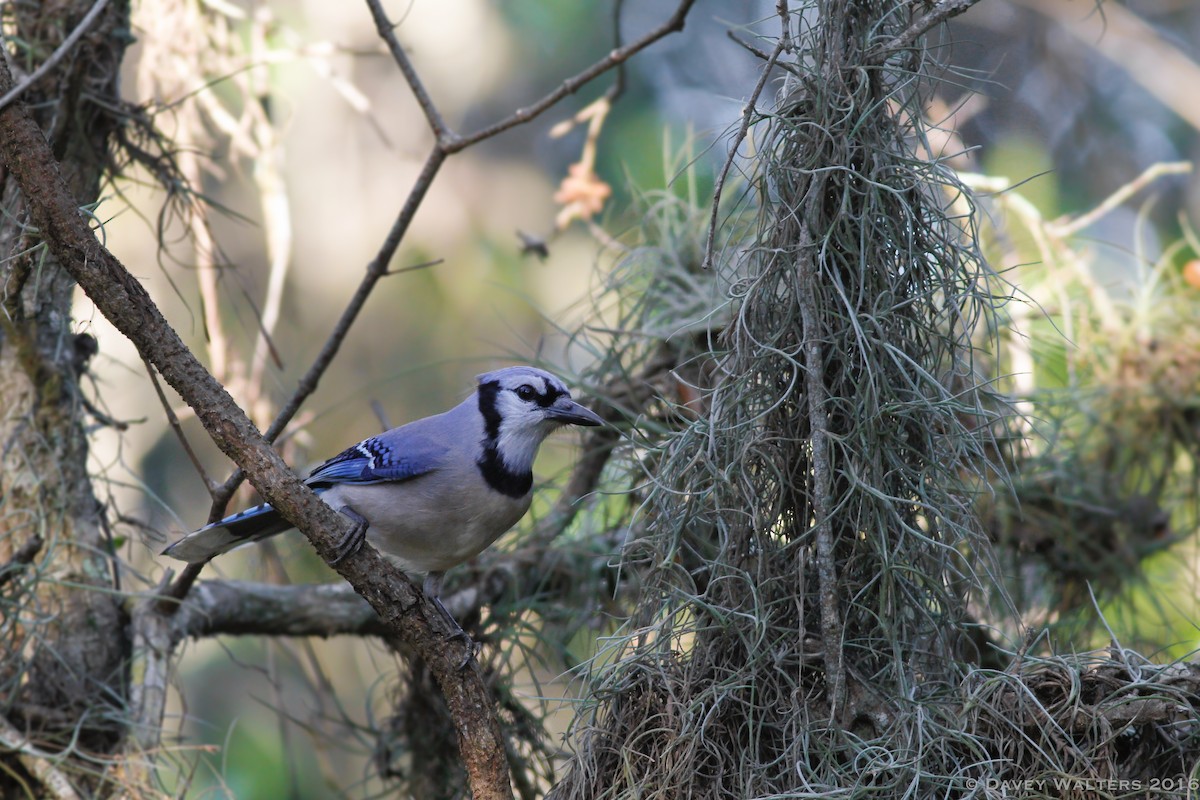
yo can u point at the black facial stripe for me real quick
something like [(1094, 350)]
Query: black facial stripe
[(491, 465), (546, 398), (488, 392)]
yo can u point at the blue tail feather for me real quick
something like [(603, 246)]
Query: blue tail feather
[(251, 525)]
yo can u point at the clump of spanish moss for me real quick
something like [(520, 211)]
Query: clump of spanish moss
[(802, 524)]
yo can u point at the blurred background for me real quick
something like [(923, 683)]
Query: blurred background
[(296, 126)]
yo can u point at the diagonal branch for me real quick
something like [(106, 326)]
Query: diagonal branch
[(59, 53), (748, 114), (376, 269), (125, 303), (387, 32), (944, 10), (571, 85), (447, 142)]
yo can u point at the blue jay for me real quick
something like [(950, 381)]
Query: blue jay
[(433, 493)]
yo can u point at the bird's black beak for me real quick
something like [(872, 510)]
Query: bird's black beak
[(566, 411)]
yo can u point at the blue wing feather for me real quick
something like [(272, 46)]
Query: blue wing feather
[(391, 456)]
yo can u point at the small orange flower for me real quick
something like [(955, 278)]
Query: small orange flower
[(582, 194)]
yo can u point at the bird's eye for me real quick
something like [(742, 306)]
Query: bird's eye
[(526, 392)]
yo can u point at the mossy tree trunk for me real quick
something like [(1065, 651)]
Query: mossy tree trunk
[(63, 670)]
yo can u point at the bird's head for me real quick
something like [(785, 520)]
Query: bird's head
[(520, 407)]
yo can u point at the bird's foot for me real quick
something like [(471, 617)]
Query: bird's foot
[(352, 542), (456, 631), (469, 656)]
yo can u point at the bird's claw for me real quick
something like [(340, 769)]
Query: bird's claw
[(472, 647), (456, 632), (352, 542)]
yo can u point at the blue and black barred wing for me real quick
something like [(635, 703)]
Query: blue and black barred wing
[(391, 456)]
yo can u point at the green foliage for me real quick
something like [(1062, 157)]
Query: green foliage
[(1101, 354)]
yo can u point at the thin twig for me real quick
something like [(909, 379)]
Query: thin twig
[(415, 267), (173, 421), (573, 84), (816, 393), (761, 54), (59, 53), (618, 85), (1064, 226), (922, 25), (376, 269), (747, 118), (387, 31), (40, 764)]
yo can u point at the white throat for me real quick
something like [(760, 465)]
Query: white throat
[(517, 446)]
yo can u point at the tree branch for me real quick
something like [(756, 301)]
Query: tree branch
[(575, 82), (59, 52), (941, 12), (446, 143), (244, 608), (387, 32), (747, 118), (816, 392), (125, 303)]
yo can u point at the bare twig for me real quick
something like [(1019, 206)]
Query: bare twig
[(618, 85), (573, 84), (59, 53), (747, 119), (173, 421), (757, 52), (415, 267), (941, 12), (376, 269), (39, 763), (1066, 226), (387, 31)]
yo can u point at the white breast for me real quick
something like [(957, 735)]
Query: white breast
[(423, 526)]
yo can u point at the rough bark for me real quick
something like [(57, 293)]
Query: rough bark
[(126, 304), (63, 647)]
